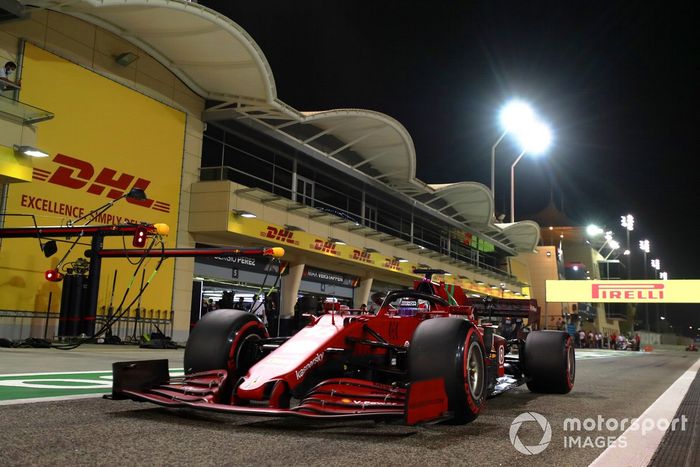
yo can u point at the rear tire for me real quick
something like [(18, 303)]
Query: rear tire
[(451, 349), (550, 362), (224, 340)]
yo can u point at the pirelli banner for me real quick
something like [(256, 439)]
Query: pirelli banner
[(638, 291), (104, 140)]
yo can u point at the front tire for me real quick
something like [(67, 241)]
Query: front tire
[(451, 349), (550, 362), (224, 340)]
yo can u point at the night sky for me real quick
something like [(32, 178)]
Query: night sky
[(617, 81)]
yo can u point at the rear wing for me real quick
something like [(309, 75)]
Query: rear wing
[(505, 307)]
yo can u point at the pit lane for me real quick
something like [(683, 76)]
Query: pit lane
[(102, 432)]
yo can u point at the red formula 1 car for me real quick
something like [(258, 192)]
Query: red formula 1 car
[(419, 359)]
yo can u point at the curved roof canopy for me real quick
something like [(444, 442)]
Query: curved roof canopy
[(467, 202), (219, 61), (206, 50)]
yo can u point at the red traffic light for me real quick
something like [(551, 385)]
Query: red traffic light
[(140, 237), (53, 275)]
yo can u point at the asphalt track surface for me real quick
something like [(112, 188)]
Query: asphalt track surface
[(102, 432)]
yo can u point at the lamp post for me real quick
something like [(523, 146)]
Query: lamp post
[(656, 264), (608, 237), (628, 223), (535, 141), (614, 245), (515, 117), (493, 163), (645, 246), (593, 231), (664, 277)]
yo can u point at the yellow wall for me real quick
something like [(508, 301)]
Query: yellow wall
[(103, 125), (14, 167), (542, 266)]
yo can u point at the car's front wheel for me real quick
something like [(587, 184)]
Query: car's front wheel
[(225, 340), (451, 349)]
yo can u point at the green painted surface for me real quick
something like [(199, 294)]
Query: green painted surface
[(56, 384)]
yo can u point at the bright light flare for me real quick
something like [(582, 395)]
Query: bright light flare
[(645, 246), (656, 264), (627, 222), (516, 116), (535, 138), (593, 230)]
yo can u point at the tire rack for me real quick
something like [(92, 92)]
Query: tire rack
[(138, 322)]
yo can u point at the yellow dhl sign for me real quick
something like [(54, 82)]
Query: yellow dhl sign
[(633, 291), (264, 230), (312, 243)]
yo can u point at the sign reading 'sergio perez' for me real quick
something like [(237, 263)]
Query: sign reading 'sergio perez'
[(247, 263), (641, 291)]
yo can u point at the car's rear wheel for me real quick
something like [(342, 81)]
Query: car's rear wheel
[(225, 340), (550, 362), (451, 349)]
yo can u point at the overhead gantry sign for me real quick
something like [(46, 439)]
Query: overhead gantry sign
[(631, 291)]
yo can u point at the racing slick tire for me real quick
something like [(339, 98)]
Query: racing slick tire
[(451, 349), (550, 362), (222, 340)]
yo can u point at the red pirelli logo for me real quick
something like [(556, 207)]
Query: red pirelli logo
[(627, 291), (80, 175)]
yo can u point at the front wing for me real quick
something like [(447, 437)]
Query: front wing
[(337, 398)]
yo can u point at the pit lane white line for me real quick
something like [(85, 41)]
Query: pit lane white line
[(640, 447), (583, 354), (50, 399), (172, 370)]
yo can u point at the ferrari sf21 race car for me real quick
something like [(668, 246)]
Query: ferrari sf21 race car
[(424, 356)]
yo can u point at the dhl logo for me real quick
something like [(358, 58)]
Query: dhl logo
[(628, 291), (392, 264), (363, 256), (325, 246), (280, 235), (78, 174)]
